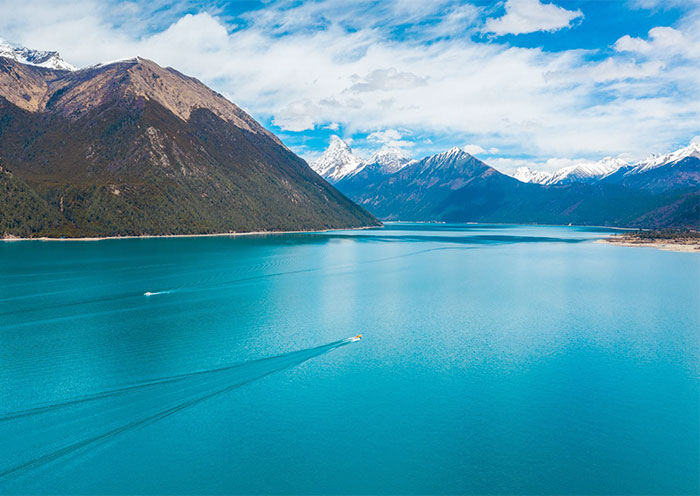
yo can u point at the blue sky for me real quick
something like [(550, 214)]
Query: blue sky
[(515, 82)]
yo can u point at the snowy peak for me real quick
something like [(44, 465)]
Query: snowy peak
[(450, 166), (390, 160), (595, 171), (587, 171), (447, 158), (527, 175), (337, 161), (654, 161), (23, 55), (581, 172)]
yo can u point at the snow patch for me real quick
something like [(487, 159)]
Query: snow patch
[(23, 55)]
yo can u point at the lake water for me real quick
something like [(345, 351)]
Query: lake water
[(495, 359)]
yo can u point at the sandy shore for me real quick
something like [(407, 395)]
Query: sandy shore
[(680, 246), (232, 234)]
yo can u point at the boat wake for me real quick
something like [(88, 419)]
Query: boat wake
[(36, 436), (154, 293)]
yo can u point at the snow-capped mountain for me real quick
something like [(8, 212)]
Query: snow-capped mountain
[(654, 161), (453, 186), (596, 171), (445, 160), (23, 55), (337, 161), (527, 175), (583, 172), (389, 160), (588, 171), (429, 184)]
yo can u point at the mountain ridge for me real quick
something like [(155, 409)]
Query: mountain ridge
[(338, 161), (38, 58), (454, 186), (581, 171), (131, 148)]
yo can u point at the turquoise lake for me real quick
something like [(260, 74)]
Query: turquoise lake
[(495, 359)]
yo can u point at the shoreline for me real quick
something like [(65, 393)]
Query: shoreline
[(232, 234), (678, 247), (617, 228)]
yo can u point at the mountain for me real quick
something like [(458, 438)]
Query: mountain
[(337, 161), (50, 60), (419, 190), (388, 160), (587, 172), (456, 187), (655, 161), (583, 172), (608, 167), (132, 148), (527, 175), (672, 171)]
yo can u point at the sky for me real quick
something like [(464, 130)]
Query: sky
[(514, 82)]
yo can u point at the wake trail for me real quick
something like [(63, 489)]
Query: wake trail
[(7, 416), (154, 293), (231, 282), (289, 360), (197, 288), (252, 371)]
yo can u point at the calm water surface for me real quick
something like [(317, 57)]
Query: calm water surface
[(495, 359)]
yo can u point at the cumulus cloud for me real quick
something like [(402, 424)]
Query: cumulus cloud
[(303, 66), (473, 149), (662, 40), (529, 16), (389, 138)]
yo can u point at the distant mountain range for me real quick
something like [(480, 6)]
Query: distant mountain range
[(584, 172), (597, 171), (50, 60), (131, 148), (454, 186)]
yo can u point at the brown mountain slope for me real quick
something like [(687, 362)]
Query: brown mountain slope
[(134, 148)]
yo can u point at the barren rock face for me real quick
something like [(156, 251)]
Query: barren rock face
[(73, 93)]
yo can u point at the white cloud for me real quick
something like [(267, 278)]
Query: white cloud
[(299, 67), (529, 16), (386, 80), (472, 149), (389, 138), (656, 4), (662, 40)]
